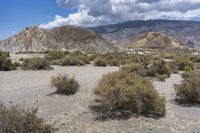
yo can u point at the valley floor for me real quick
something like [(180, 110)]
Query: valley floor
[(73, 113)]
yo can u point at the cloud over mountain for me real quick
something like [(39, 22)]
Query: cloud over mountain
[(103, 12)]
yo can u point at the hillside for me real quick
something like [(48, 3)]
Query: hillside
[(82, 39), (154, 40), (31, 39), (66, 37), (186, 32)]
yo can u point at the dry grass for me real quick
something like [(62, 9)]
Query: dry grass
[(17, 120)]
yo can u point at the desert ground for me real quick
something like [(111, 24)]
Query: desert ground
[(73, 114)]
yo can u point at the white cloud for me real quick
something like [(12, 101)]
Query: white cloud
[(103, 12)]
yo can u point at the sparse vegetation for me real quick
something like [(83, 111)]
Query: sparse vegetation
[(159, 67), (129, 91), (68, 58), (100, 62), (156, 68), (36, 63), (189, 90), (55, 55), (71, 62), (17, 120), (5, 62), (182, 61), (135, 68), (65, 85)]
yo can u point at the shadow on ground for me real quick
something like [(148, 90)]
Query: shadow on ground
[(178, 102), (103, 114)]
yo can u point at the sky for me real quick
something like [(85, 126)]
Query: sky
[(18, 14)]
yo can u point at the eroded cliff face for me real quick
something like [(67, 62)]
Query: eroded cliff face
[(62, 38)]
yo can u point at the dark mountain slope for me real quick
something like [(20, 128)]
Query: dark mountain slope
[(187, 32)]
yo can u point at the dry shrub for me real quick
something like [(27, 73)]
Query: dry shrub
[(71, 62), (123, 91), (65, 85), (189, 90), (135, 68), (17, 120), (100, 62), (36, 64)]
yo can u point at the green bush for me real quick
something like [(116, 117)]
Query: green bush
[(17, 120), (100, 62), (131, 92), (189, 90), (5, 62), (64, 84), (188, 68), (36, 64)]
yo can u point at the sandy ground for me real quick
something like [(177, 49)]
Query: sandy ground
[(72, 114)]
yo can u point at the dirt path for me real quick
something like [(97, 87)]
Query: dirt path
[(71, 114)]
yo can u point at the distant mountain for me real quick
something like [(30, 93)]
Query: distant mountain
[(66, 37), (154, 40), (187, 32), (82, 39)]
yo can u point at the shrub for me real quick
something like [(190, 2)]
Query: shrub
[(189, 90), (77, 55), (196, 59), (114, 62), (188, 68), (64, 84), (17, 120), (182, 61), (71, 62), (159, 67), (160, 77), (36, 64), (129, 91), (5, 62), (54, 55), (100, 62), (135, 68)]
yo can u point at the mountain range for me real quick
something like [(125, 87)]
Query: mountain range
[(186, 32), (103, 39)]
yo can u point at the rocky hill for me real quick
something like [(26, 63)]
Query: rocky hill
[(154, 40), (66, 37), (81, 39), (31, 39), (186, 32)]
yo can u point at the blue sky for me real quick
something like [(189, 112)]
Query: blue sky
[(17, 14)]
